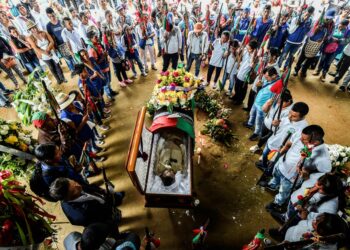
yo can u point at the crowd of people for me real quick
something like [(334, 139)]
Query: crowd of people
[(254, 43)]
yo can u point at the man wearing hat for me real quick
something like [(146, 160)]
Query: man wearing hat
[(197, 47), (123, 18), (50, 131), (298, 28), (70, 115), (186, 26)]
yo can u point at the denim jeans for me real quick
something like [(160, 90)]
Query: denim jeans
[(107, 87), (139, 63), (256, 118), (346, 81), (325, 62), (70, 62), (197, 58), (32, 65), (265, 153), (288, 50), (231, 79), (3, 98), (285, 186)]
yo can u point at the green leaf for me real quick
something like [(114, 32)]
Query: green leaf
[(21, 234)]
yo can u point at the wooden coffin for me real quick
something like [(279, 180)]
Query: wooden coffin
[(142, 158)]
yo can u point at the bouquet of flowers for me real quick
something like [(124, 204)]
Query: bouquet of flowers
[(219, 130), (211, 103), (12, 135), (340, 156), (18, 166), (32, 99), (173, 89), (23, 221)]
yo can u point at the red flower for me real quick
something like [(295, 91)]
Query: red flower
[(300, 197), (7, 226), (175, 74), (173, 84), (5, 174), (225, 126), (159, 81), (187, 79), (166, 73)]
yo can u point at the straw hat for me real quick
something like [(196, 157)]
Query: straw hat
[(292, 4), (198, 27), (64, 100), (30, 24)]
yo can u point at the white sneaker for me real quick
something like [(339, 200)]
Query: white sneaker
[(228, 93), (205, 83), (214, 85), (254, 149)]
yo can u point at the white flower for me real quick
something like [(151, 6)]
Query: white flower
[(337, 163), (4, 132), (345, 160), (5, 127)]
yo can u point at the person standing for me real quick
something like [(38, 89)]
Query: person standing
[(262, 24), (197, 44), (54, 28), (297, 30), (343, 65), (21, 47), (43, 45), (24, 17), (8, 63), (39, 16), (71, 36), (171, 40), (146, 34), (244, 66), (220, 53)]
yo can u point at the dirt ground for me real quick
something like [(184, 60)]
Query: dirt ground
[(228, 195)]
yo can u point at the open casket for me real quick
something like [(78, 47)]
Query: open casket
[(159, 161)]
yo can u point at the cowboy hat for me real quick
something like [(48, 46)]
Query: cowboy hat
[(64, 100), (292, 4), (198, 27), (30, 24)]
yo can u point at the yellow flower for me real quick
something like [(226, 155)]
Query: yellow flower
[(14, 127), (22, 146), (11, 139)]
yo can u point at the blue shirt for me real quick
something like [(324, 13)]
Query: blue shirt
[(55, 31), (277, 40), (243, 26), (298, 35), (261, 28), (264, 94)]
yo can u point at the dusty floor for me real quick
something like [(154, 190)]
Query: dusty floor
[(228, 196)]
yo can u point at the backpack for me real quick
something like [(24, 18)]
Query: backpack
[(38, 185)]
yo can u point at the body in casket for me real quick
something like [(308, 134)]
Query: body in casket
[(162, 170)]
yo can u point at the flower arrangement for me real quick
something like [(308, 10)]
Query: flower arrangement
[(23, 221), (211, 103), (173, 89), (219, 130), (340, 156), (18, 166), (12, 135), (32, 99)]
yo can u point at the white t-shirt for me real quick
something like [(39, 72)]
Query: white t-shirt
[(276, 140), (231, 67), (273, 114), (74, 39), (244, 68), (219, 50)]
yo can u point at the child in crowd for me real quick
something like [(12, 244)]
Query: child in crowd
[(230, 67)]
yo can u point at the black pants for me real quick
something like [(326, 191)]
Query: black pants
[(119, 71), (211, 71), (170, 57), (304, 63), (55, 69), (342, 67), (265, 135), (240, 91), (251, 99)]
